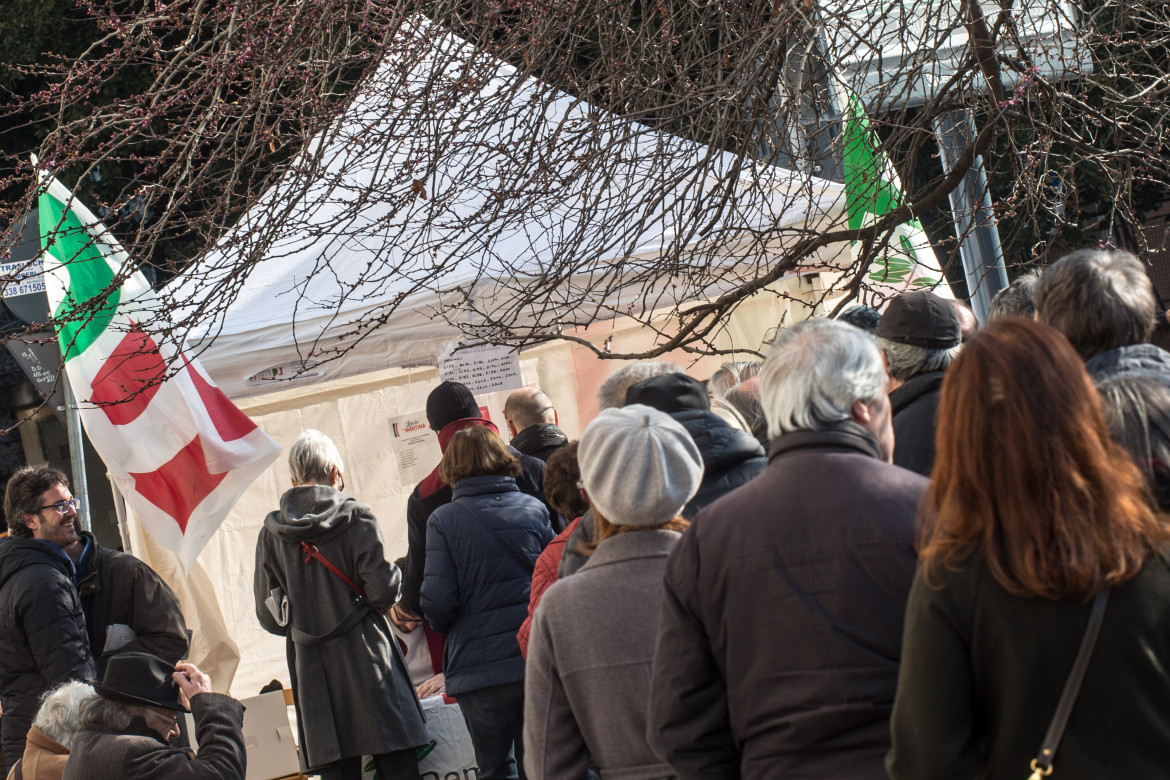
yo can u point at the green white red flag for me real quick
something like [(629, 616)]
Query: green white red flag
[(178, 449), (872, 190)]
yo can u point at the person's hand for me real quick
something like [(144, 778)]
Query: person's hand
[(190, 680), (433, 686)]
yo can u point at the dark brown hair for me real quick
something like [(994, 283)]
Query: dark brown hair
[(23, 495), (476, 452), (1027, 474), (562, 472)]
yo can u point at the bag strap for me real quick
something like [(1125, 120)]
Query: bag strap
[(1042, 764), (525, 564), (312, 552)]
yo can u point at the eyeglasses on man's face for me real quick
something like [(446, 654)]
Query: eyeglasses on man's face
[(63, 507)]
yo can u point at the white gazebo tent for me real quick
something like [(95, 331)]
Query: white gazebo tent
[(354, 279)]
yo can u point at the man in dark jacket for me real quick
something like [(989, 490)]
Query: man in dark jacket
[(920, 335), (781, 628), (532, 422), (127, 605), (451, 407), (731, 457), (124, 729), (1103, 302), (43, 642)]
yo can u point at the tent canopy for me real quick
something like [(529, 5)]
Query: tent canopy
[(456, 199)]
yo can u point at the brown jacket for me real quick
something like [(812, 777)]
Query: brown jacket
[(781, 628), (44, 758)]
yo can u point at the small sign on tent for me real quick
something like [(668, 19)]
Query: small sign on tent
[(484, 369)]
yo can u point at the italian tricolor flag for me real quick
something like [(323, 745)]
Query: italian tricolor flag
[(178, 449), (872, 190)]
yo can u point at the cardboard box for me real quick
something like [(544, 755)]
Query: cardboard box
[(268, 737)]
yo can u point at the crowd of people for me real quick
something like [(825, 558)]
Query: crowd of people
[(903, 545)]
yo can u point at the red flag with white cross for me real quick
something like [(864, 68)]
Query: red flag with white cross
[(178, 449)]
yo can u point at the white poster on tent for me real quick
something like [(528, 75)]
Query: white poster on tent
[(415, 446), (484, 369)]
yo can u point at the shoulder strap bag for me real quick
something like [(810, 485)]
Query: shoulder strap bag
[(1042, 764)]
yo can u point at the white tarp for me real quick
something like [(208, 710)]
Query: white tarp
[(513, 188)]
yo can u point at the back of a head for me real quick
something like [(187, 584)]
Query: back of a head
[(639, 466), (814, 373), (313, 457), (612, 393), (745, 398), (1137, 412), (920, 332), (529, 406), (1026, 471), (57, 718), (731, 374), (23, 495), (476, 452), (1015, 300), (1099, 299), (562, 472)]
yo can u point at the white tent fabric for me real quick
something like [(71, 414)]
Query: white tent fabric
[(346, 241), (348, 251)]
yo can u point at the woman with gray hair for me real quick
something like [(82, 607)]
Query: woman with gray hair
[(51, 737), (323, 582)]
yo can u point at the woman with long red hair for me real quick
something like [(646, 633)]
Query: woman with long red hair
[(1032, 512)]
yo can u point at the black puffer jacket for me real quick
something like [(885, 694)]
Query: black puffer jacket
[(540, 440), (117, 588), (731, 457), (42, 633)]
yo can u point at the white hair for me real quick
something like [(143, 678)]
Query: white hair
[(907, 361), (57, 718), (815, 372), (612, 393), (312, 458)]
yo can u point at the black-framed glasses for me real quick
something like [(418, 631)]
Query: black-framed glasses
[(63, 507)]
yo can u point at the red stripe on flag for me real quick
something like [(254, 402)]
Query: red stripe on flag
[(230, 423), (181, 484), (129, 378)]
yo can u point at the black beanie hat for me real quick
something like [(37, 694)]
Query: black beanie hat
[(448, 402), (670, 393)]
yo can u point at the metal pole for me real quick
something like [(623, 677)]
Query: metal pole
[(975, 225), (76, 453)]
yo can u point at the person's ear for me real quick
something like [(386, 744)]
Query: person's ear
[(511, 428), (862, 414), (30, 521)]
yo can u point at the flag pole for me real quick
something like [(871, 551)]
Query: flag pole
[(76, 452)]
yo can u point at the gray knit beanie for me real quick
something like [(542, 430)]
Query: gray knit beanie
[(639, 466)]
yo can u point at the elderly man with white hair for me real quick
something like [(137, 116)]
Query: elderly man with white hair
[(51, 737), (781, 626)]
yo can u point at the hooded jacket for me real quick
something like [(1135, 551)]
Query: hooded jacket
[(1142, 359), (481, 549), (353, 693), (432, 493), (42, 633)]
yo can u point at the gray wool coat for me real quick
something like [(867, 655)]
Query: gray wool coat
[(589, 658), (353, 693)]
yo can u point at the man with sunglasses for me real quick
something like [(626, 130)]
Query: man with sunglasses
[(43, 642)]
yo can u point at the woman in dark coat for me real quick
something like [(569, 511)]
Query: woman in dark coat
[(353, 694), (1033, 511), (481, 549)]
